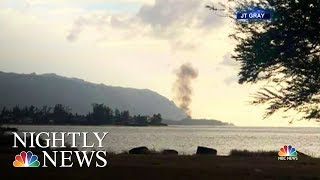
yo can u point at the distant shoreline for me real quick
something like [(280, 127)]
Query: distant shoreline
[(205, 122), (109, 125), (113, 125)]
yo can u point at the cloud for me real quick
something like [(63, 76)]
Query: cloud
[(183, 23), (186, 13), (230, 67), (92, 20), (118, 22), (228, 61), (233, 79), (167, 13), (85, 2), (76, 29)]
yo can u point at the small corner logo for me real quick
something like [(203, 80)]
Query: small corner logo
[(26, 160), (288, 153)]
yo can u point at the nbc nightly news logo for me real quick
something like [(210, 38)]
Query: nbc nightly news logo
[(254, 14), (287, 153), (26, 160), (82, 158)]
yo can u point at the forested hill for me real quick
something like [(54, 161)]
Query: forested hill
[(51, 89)]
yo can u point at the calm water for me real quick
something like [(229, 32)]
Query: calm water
[(185, 139)]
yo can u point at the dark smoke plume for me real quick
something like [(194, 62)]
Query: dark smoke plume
[(182, 87)]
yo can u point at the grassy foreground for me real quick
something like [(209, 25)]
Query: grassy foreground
[(182, 167)]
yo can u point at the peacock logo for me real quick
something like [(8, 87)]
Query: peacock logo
[(26, 160), (288, 151)]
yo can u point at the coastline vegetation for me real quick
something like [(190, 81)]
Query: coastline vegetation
[(62, 115)]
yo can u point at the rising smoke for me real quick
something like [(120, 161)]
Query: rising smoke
[(182, 87)]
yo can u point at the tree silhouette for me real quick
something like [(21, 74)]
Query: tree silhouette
[(98, 114), (284, 53), (102, 114), (61, 114), (141, 120), (44, 114), (125, 117), (117, 116), (17, 113), (156, 119), (109, 115)]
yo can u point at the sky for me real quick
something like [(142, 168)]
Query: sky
[(133, 43)]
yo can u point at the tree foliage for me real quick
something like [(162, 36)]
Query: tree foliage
[(60, 114), (284, 53)]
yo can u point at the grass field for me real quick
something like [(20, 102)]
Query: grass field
[(164, 167)]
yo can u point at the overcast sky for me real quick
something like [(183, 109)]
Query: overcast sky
[(131, 43)]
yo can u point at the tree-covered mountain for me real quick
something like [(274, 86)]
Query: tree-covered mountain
[(51, 89)]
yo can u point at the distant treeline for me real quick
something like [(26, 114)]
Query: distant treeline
[(60, 114)]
